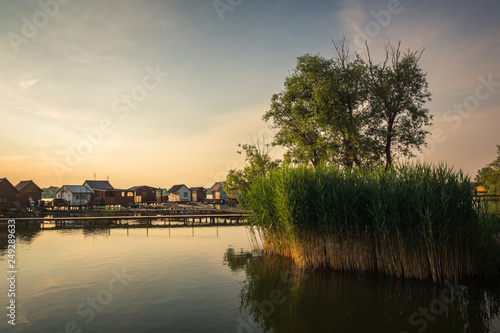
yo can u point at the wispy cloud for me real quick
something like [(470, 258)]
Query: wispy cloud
[(352, 15), (27, 81)]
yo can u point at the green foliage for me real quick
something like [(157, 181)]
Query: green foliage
[(331, 197), (258, 163), (345, 111), (410, 220), (398, 91), (293, 113), (49, 192), (489, 176)]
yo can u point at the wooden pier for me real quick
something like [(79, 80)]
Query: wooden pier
[(488, 197), (118, 219), (120, 210)]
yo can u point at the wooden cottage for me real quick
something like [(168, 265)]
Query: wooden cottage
[(198, 194), (162, 195), (29, 193), (106, 194), (124, 196), (8, 195), (144, 193), (217, 191), (75, 195), (179, 193), (102, 191)]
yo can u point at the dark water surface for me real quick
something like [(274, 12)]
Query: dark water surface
[(206, 280)]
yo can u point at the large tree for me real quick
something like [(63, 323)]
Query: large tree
[(398, 91), (489, 176), (341, 102), (348, 111), (319, 116), (293, 113)]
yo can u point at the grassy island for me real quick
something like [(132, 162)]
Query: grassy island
[(412, 221)]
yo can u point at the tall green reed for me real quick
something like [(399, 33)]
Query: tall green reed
[(416, 220)]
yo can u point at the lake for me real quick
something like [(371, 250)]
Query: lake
[(205, 279)]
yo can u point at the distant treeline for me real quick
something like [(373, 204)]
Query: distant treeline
[(49, 192)]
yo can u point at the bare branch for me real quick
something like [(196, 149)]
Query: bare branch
[(420, 55), (342, 51)]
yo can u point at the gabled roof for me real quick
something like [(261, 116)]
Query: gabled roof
[(25, 183), (8, 183), (135, 188), (76, 189), (99, 184), (176, 188), (217, 187)]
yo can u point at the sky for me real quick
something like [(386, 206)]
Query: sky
[(160, 92)]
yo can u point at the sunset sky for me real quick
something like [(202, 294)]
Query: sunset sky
[(160, 92)]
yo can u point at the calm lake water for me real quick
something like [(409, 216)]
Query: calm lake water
[(205, 279)]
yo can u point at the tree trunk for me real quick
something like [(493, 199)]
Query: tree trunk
[(388, 141), (315, 160)]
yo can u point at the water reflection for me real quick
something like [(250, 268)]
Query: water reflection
[(237, 261), (281, 299), (27, 235)]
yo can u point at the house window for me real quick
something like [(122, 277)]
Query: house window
[(185, 194), (4, 200), (130, 194)]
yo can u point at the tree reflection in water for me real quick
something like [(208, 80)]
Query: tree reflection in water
[(24, 235), (281, 299)]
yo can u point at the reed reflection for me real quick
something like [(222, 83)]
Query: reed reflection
[(280, 298)]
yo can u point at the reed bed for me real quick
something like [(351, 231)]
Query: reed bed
[(413, 221)]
